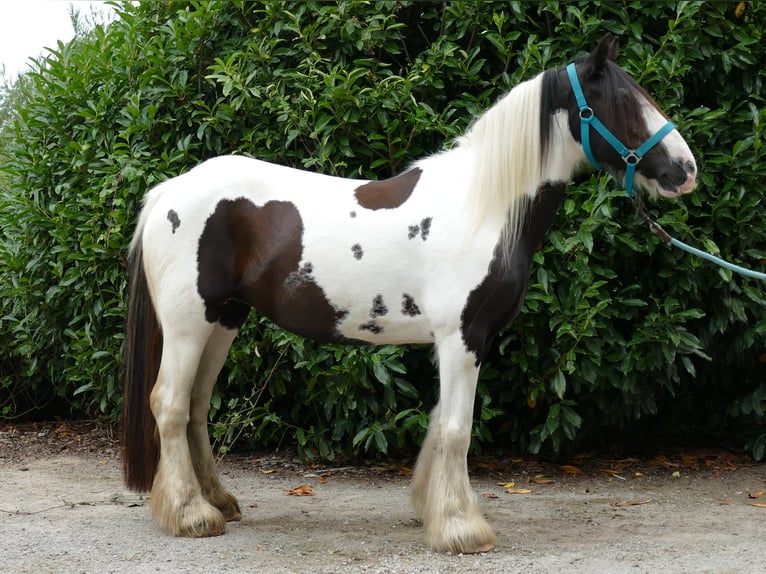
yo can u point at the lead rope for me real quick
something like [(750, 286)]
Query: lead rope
[(668, 240)]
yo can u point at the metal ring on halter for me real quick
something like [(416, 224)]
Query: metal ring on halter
[(631, 158), (587, 114)]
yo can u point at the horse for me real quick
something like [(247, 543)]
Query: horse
[(437, 254)]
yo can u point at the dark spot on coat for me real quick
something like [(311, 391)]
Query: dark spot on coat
[(425, 228), (174, 220), (408, 306), (372, 327), (249, 256), (378, 307), (353, 214), (388, 193), (496, 301), (356, 249)]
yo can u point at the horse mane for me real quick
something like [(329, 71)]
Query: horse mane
[(508, 144)]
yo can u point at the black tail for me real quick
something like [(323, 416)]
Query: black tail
[(143, 351)]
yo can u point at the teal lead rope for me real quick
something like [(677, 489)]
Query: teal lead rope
[(668, 240)]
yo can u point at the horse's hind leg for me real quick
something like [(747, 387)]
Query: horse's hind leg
[(441, 493), (177, 501), (211, 363)]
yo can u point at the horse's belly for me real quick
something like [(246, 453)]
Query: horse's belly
[(306, 310), (383, 330)]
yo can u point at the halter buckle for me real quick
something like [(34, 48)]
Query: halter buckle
[(587, 114), (631, 158)]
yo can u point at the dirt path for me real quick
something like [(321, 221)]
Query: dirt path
[(67, 511)]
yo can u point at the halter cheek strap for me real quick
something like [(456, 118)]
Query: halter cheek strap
[(588, 119)]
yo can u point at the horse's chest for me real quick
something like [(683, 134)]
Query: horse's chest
[(498, 298)]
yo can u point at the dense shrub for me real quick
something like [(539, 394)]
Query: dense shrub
[(619, 333)]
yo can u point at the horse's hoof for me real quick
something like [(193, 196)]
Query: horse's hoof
[(469, 548), (195, 519), (462, 537), (230, 509), (203, 525), (224, 501), (484, 548)]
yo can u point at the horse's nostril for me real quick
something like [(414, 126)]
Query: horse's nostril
[(687, 165)]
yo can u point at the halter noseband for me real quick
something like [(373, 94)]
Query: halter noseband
[(631, 157)]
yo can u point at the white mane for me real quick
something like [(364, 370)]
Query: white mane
[(505, 145)]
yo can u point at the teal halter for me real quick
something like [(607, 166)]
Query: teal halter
[(631, 157)]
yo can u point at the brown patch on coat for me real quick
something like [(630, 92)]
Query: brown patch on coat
[(388, 193), (249, 256)]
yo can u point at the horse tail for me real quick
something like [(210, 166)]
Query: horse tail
[(142, 354)]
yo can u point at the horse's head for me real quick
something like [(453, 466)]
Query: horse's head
[(637, 131)]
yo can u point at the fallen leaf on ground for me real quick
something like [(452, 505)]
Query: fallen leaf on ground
[(267, 471), (567, 469), (507, 484), (611, 470), (517, 490), (405, 470), (727, 502), (302, 490), (755, 494), (676, 474), (758, 504), (322, 480), (541, 479), (632, 503), (489, 495)]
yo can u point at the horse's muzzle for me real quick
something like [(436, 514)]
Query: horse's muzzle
[(680, 178)]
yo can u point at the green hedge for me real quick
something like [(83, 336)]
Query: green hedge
[(619, 335)]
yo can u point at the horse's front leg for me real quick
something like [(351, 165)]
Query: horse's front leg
[(441, 494)]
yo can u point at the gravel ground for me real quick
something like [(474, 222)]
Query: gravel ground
[(63, 509)]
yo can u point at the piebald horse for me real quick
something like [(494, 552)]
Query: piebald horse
[(438, 254)]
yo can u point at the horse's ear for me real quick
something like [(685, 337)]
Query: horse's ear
[(606, 50)]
